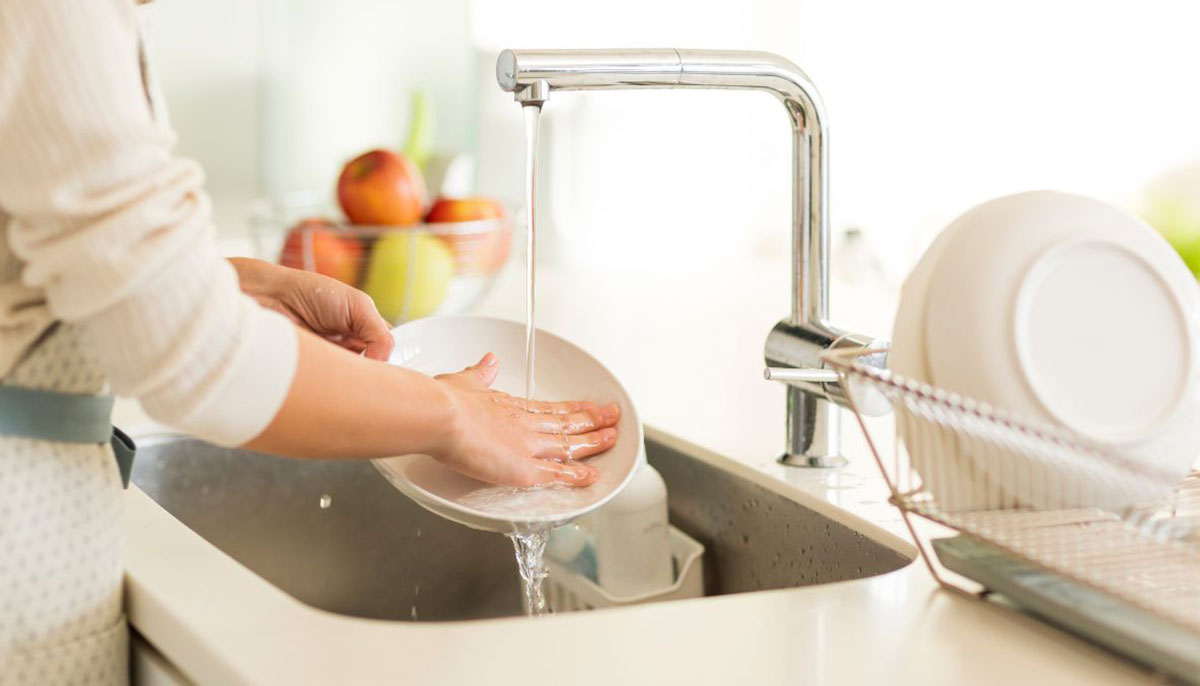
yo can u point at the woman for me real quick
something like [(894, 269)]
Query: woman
[(109, 282)]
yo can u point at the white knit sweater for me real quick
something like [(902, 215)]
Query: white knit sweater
[(102, 225)]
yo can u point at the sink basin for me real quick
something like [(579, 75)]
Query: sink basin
[(335, 535)]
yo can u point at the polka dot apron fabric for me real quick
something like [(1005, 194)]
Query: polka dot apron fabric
[(61, 540)]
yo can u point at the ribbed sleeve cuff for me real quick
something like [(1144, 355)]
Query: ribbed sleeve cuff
[(253, 387)]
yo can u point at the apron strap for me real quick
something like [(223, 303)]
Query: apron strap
[(51, 416), (65, 417), (125, 450)]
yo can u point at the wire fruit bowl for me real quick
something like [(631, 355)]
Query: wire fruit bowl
[(410, 271), (1040, 512)]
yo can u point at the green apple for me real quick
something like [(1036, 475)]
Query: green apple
[(408, 274), (1172, 205), (1179, 223)]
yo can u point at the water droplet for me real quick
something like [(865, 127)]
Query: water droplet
[(325, 501), (418, 533), (413, 614), (416, 590)]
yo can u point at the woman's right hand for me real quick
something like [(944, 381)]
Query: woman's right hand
[(497, 439)]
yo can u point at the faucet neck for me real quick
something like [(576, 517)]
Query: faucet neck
[(532, 74)]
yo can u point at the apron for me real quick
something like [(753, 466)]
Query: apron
[(61, 498), (61, 538)]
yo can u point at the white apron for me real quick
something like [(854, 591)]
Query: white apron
[(61, 531), (61, 540)]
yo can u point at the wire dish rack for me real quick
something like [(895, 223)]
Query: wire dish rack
[(1041, 496)]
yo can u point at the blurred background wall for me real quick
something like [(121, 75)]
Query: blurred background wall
[(935, 105)]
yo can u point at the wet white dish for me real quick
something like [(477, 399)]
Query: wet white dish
[(441, 345)]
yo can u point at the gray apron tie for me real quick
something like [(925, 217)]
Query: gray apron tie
[(65, 417)]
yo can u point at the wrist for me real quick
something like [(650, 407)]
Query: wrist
[(446, 422), (258, 279)]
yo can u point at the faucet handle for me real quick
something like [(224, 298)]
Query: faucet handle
[(870, 402), (806, 375)]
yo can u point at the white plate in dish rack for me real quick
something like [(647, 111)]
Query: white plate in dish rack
[(1036, 302), (440, 345)]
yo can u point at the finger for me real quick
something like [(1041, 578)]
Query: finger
[(529, 471), (589, 419), (563, 448), (541, 472), (543, 407)]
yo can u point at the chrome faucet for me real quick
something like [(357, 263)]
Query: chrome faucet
[(794, 347)]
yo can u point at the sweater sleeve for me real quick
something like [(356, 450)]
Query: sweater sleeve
[(117, 232)]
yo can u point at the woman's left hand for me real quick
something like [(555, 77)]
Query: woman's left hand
[(329, 308)]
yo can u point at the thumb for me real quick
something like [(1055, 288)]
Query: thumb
[(369, 326), (484, 371), (379, 349)]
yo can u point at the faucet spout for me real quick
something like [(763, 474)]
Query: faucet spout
[(799, 340), (532, 74)]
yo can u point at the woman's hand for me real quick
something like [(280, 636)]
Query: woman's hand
[(496, 439), (456, 418), (329, 308)]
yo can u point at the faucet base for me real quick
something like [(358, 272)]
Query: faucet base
[(813, 461), (814, 431)]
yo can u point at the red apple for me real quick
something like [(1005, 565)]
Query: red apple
[(317, 245), (464, 210), (479, 252), (382, 188)]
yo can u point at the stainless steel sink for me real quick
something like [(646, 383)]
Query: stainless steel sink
[(374, 553)]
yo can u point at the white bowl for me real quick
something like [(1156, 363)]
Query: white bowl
[(1066, 310), (564, 372)]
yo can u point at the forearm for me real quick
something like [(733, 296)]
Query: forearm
[(115, 232), (341, 405)]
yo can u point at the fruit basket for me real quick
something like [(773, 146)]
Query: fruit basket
[(435, 267)]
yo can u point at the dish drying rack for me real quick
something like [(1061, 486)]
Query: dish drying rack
[(1146, 557)]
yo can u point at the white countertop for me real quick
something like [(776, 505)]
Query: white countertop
[(689, 348)]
